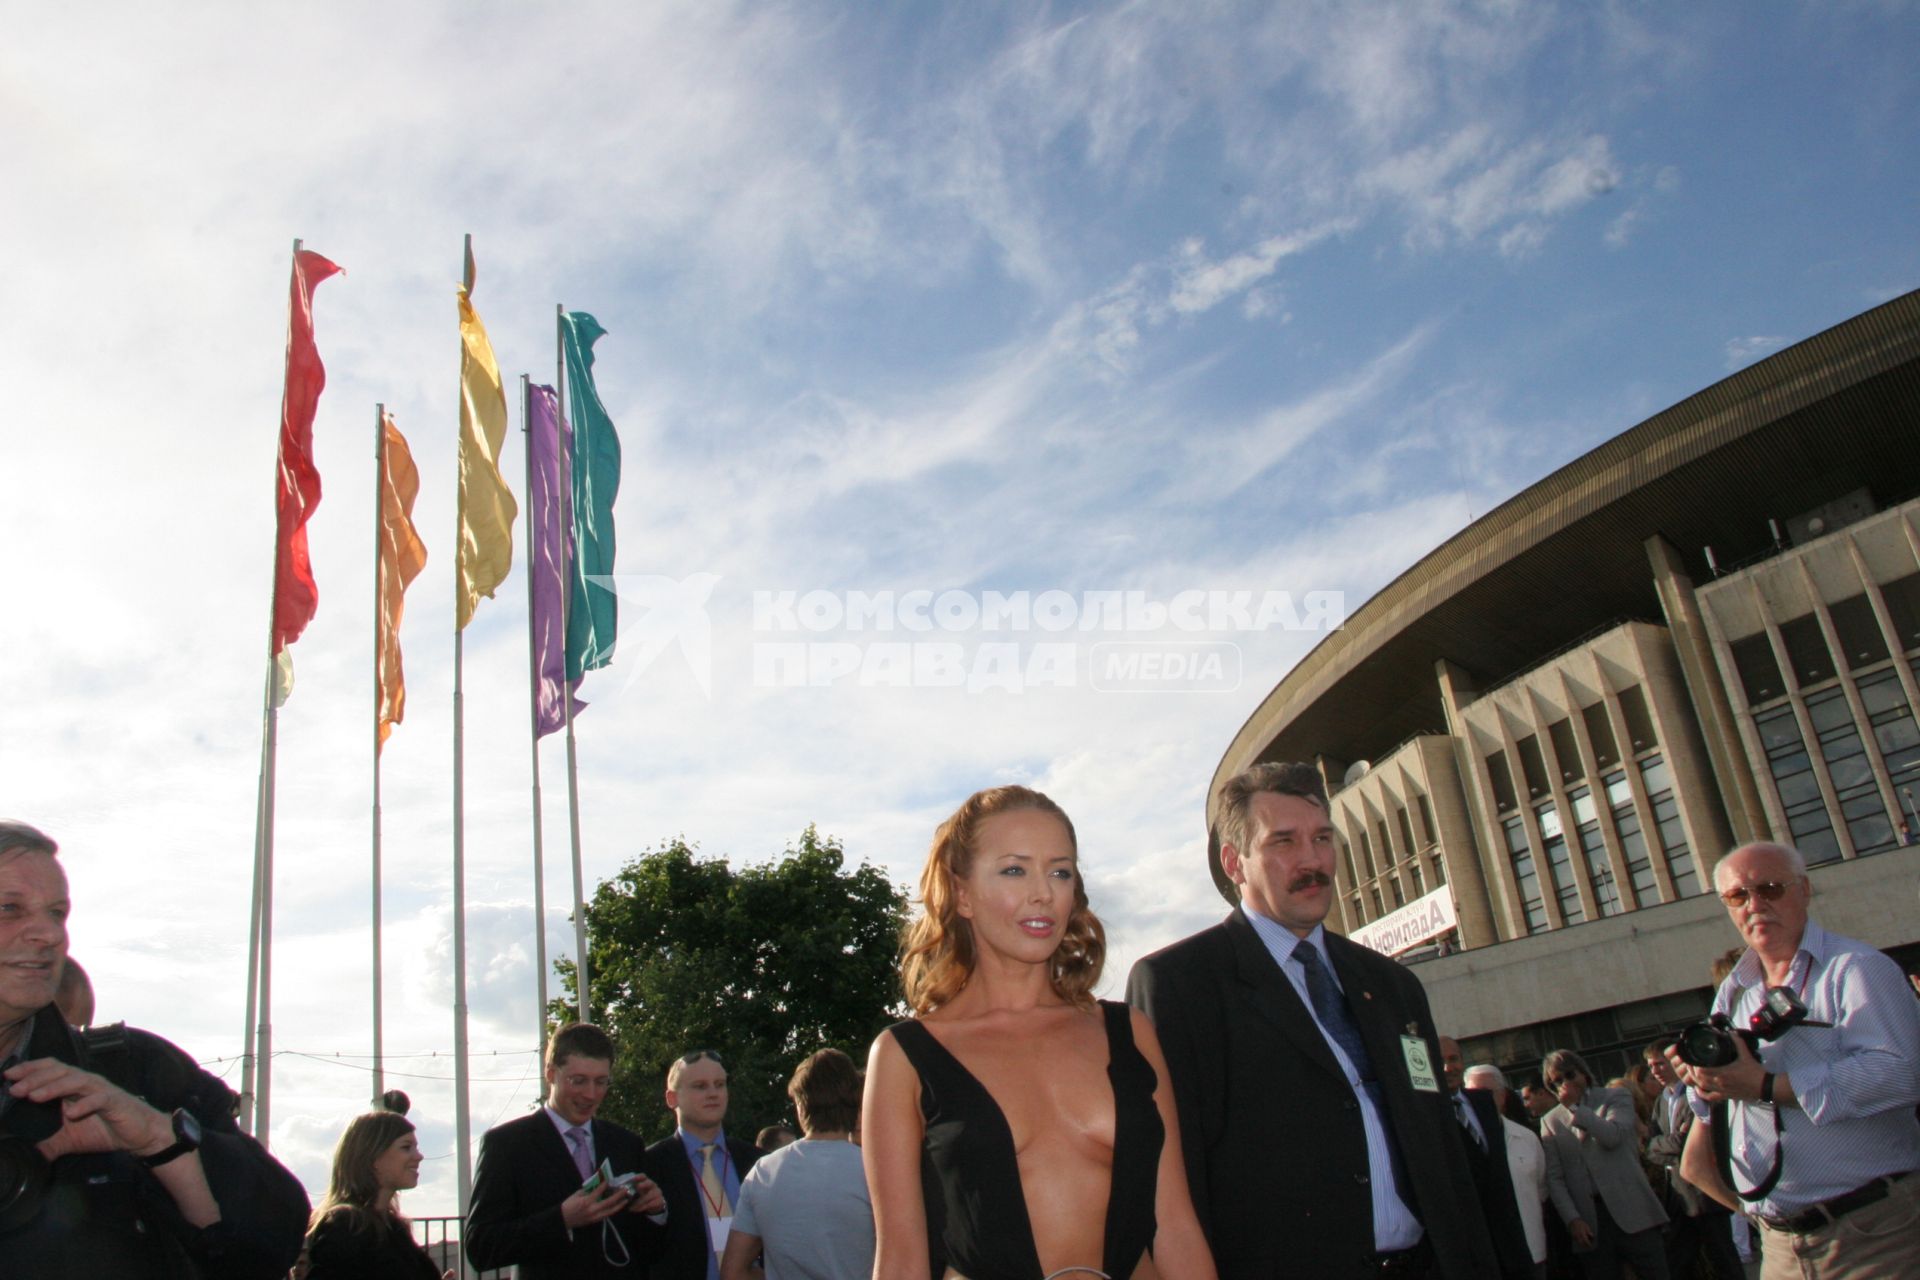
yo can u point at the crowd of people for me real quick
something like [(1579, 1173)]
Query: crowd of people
[(1271, 1100)]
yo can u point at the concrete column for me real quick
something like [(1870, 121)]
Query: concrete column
[(1466, 875), (1732, 771)]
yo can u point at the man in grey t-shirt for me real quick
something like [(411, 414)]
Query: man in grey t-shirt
[(804, 1209)]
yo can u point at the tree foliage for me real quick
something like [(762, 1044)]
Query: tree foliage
[(763, 965)]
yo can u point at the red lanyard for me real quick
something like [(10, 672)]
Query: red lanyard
[(713, 1206)]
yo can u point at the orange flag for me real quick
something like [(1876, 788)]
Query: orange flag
[(402, 556)]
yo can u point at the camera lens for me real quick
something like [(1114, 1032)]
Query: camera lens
[(1705, 1045), (23, 1182)]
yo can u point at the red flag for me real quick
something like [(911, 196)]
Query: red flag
[(294, 594)]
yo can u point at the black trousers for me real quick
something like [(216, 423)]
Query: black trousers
[(1613, 1247), (1709, 1235)]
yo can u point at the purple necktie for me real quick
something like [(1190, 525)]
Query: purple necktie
[(582, 1156)]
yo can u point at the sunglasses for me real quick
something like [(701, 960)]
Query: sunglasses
[(699, 1055), (1771, 891)]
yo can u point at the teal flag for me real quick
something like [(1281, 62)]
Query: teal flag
[(592, 606)]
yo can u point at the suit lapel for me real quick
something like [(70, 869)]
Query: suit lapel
[(553, 1148), (1274, 998)]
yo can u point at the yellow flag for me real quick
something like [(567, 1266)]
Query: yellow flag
[(402, 556), (487, 509)]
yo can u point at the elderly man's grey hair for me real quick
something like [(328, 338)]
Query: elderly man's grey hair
[(1795, 859), (21, 837), (1488, 1075)]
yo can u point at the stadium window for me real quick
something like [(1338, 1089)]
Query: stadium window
[(1566, 751), (1593, 849), (1807, 650), (1759, 673), (1427, 834), (1851, 772), (1406, 829), (1600, 733), (1525, 879), (1668, 826), (1633, 709), (1500, 778), (1633, 842), (1861, 643), (1533, 766), (1388, 853), (1893, 726), (1903, 608), (1560, 864)]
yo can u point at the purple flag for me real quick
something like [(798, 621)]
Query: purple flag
[(550, 558)]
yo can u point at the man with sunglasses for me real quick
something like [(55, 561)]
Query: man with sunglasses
[(698, 1169), (1594, 1177), (1827, 1111)]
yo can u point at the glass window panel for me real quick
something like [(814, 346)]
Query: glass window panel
[(1653, 776), (1526, 880), (1399, 898), (1606, 894), (1427, 832), (1618, 792), (1777, 728), (1560, 865), (1582, 802), (1881, 692), (1807, 650), (1798, 788), (1549, 821), (1828, 710), (1413, 875), (1406, 830), (1388, 854), (1861, 643)]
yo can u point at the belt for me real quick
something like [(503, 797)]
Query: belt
[(1832, 1210)]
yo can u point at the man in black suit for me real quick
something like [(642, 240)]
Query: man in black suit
[(1486, 1146), (1305, 1068), (698, 1169), (529, 1207)]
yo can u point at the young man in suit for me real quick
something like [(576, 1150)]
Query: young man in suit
[(529, 1207), (698, 1169), (1318, 1140)]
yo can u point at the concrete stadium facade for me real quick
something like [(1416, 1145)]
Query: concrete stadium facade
[(1541, 738)]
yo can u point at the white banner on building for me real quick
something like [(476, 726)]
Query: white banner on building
[(1408, 926)]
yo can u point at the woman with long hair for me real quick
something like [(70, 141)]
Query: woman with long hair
[(1044, 1117), (357, 1230)]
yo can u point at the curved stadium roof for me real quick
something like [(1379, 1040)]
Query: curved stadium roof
[(1566, 556)]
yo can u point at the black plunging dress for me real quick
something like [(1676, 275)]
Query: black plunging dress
[(977, 1219)]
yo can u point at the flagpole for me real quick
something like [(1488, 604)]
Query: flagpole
[(566, 702), (256, 1076), (379, 596), (463, 1129), (533, 710)]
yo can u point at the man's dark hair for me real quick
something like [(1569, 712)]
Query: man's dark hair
[(1237, 793), (826, 1092), (578, 1040), (1659, 1046), (21, 837)]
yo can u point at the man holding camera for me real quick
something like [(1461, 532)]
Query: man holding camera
[(1819, 1122), (540, 1201), (118, 1156)]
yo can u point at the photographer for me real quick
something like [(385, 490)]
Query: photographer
[(1820, 1121), (118, 1156)]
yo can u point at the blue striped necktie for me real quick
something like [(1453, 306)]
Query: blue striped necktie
[(1331, 1008)]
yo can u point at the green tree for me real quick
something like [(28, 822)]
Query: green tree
[(763, 965)]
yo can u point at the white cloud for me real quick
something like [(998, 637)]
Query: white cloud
[(1742, 352)]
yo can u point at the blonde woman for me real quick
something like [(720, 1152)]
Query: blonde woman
[(357, 1229), (1043, 1117)]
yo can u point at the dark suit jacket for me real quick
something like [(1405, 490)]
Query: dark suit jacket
[(1275, 1148), (1493, 1179), (525, 1171), (679, 1251)]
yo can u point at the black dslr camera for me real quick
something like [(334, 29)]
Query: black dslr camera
[(1709, 1042), (25, 1175)]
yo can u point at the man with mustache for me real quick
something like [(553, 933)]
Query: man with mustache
[(1317, 1136)]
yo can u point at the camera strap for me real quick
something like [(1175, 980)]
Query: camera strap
[(1723, 1153)]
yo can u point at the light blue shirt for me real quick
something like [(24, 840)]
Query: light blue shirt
[(1394, 1225), (1857, 1082), (728, 1175)]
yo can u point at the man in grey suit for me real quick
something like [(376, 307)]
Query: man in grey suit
[(1595, 1181)]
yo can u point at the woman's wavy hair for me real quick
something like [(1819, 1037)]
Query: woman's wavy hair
[(354, 1190), (938, 956)]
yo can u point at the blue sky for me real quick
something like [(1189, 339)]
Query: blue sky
[(971, 298)]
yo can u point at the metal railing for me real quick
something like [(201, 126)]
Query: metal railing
[(440, 1237)]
